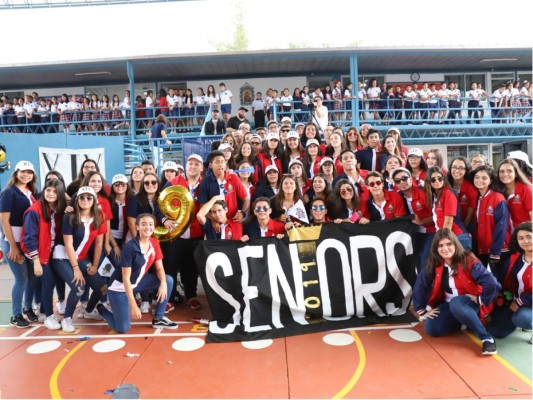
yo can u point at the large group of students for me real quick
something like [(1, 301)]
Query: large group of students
[(473, 239), (421, 103)]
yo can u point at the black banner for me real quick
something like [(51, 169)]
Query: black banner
[(324, 277)]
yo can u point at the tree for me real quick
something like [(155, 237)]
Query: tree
[(240, 37)]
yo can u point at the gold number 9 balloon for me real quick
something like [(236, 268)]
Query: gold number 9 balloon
[(176, 203)]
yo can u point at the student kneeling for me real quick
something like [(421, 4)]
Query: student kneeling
[(138, 256)]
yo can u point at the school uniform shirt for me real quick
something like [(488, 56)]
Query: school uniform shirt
[(493, 231), (225, 97), (228, 231), (368, 158), (519, 280), (373, 93), (200, 100), (467, 198), (139, 262), (264, 190), (119, 224), (416, 204), (360, 186), (84, 236), (424, 95), (446, 206), (392, 207), (520, 204), (253, 230), (38, 235), (135, 208), (232, 190), (266, 160), (15, 202), (286, 100), (258, 105)]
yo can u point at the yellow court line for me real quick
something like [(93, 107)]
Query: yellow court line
[(502, 361), (54, 389), (358, 372)]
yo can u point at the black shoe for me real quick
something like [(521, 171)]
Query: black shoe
[(164, 323), (489, 347), (19, 321), (28, 312), (99, 308)]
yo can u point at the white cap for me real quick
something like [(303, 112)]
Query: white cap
[(415, 152), (295, 162), (298, 124), (394, 129), (170, 165), (270, 168), (286, 119), (325, 160), (520, 155), (179, 166), (86, 190), (271, 122), (195, 157), (312, 141), (293, 134), (119, 178), (272, 136), (255, 136), (400, 169), (24, 166), (225, 146)]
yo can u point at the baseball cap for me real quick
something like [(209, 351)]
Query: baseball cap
[(298, 125), (86, 190), (169, 165), (255, 136), (271, 122), (312, 141), (399, 169), (119, 178), (394, 129), (520, 155), (243, 108), (286, 119), (195, 156), (295, 162), (225, 146), (272, 136), (270, 168), (179, 166), (415, 152), (293, 134), (24, 166), (214, 110), (325, 160)]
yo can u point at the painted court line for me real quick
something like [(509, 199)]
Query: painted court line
[(105, 336), (31, 330)]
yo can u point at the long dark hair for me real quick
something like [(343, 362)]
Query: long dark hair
[(459, 258), (335, 202), (75, 217), (427, 185), (495, 184), (103, 190), (32, 185), (80, 176), (468, 176), (513, 243), (61, 199), (277, 199), (143, 196)]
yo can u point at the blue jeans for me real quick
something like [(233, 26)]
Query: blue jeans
[(24, 285), (48, 281), (96, 282), (460, 310), (504, 321), (424, 241), (65, 272), (120, 318)]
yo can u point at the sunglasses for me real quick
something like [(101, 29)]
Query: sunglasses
[(224, 189), (264, 208), (316, 208), (256, 143), (119, 184), (437, 179), (402, 179), (84, 197), (347, 190), (148, 183), (376, 183)]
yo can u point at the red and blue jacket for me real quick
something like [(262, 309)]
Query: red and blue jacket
[(520, 203), (519, 279), (419, 207), (474, 279), (37, 233), (393, 208), (493, 230), (274, 227)]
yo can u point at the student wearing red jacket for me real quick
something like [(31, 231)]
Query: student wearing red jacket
[(382, 204), (518, 281), (443, 204), (453, 289), (493, 230), (464, 190), (178, 254), (271, 153), (259, 224), (517, 190), (41, 231)]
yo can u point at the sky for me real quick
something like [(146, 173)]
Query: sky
[(85, 33)]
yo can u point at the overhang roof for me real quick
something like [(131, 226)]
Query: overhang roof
[(307, 62)]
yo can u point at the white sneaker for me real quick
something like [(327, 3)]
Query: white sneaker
[(37, 308), (41, 317), (145, 307), (61, 307), (52, 323), (66, 325), (81, 310), (94, 314)]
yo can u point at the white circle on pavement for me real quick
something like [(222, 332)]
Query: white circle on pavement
[(107, 346), (338, 339), (43, 347), (188, 344), (405, 335), (257, 344)]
